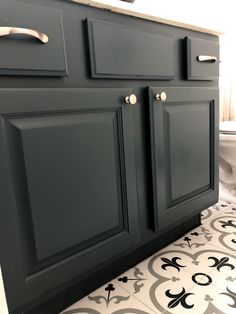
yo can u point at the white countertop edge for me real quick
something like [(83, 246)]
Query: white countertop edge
[(148, 17)]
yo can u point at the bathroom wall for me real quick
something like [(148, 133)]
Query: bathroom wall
[(3, 304), (211, 14), (227, 76)]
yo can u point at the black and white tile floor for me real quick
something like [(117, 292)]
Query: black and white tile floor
[(196, 274)]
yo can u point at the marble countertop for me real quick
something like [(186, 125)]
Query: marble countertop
[(162, 15)]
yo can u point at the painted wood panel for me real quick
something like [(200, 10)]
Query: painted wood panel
[(120, 51), (201, 70), (25, 55), (68, 172), (184, 137)]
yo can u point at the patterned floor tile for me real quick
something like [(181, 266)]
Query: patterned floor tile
[(216, 209), (195, 274), (169, 274), (204, 261), (149, 280), (219, 231), (165, 280), (224, 273), (223, 230), (204, 299), (195, 240), (109, 299)]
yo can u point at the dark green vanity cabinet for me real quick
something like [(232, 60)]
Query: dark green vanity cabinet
[(92, 179), (184, 150)]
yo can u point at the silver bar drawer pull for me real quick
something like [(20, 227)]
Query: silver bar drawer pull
[(4, 31), (207, 59)]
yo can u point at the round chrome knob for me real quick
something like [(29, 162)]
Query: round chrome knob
[(162, 96), (131, 99)]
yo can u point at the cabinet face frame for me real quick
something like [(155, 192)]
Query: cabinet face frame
[(169, 153), (24, 112)]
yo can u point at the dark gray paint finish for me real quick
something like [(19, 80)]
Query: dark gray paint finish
[(64, 166), (188, 128), (201, 70), (63, 294), (120, 51), (73, 152), (77, 49), (184, 147), (25, 55)]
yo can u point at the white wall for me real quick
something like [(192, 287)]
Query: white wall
[(212, 14), (3, 303)]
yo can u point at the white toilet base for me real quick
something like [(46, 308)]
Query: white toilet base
[(226, 195)]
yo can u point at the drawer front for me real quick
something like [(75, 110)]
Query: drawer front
[(202, 59), (120, 51), (23, 53)]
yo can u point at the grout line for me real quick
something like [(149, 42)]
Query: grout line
[(131, 294), (222, 249), (218, 287), (210, 218), (213, 215)]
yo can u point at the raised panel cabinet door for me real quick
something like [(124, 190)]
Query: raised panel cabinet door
[(184, 150), (68, 186)]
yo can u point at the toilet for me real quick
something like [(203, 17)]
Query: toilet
[(227, 155)]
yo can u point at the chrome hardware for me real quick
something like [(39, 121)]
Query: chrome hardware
[(207, 59), (131, 99), (4, 31), (162, 96)]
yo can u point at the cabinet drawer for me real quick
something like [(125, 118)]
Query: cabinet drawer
[(120, 51), (24, 54), (202, 59)]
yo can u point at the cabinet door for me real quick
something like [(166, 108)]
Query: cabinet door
[(184, 149), (68, 186)]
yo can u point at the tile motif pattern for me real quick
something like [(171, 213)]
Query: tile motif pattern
[(116, 299), (182, 295), (137, 285), (196, 274)]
